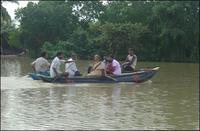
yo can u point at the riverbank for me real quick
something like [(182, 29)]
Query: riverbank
[(22, 54), (19, 52)]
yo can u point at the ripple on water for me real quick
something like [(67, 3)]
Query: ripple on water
[(169, 101)]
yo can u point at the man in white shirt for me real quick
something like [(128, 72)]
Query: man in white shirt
[(70, 66), (55, 66), (131, 61), (41, 65)]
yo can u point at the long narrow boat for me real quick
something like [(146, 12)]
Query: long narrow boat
[(36, 76), (137, 77)]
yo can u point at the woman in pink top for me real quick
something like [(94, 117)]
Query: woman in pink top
[(113, 66)]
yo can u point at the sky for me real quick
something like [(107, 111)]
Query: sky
[(11, 7)]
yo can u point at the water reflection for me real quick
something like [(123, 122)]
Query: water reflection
[(166, 103), (10, 68), (116, 92), (116, 106), (15, 66), (72, 91)]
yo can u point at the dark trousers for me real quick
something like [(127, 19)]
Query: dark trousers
[(128, 68)]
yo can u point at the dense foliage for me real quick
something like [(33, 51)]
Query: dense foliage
[(158, 31), (6, 26)]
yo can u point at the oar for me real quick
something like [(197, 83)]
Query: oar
[(109, 77)]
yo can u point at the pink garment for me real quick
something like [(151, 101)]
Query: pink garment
[(116, 66)]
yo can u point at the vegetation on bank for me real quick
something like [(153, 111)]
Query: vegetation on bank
[(157, 30)]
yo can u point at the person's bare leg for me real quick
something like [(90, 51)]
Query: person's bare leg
[(65, 74)]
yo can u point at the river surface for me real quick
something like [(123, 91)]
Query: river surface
[(169, 101)]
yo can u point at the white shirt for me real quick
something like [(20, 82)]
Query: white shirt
[(41, 64), (55, 64), (71, 67), (117, 67), (130, 57), (133, 65)]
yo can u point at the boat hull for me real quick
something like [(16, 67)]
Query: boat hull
[(136, 77), (36, 76)]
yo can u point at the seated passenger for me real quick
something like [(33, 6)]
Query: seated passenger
[(55, 66), (131, 61), (98, 68), (41, 64), (112, 66), (70, 66)]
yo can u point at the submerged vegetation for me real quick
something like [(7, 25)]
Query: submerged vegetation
[(157, 30)]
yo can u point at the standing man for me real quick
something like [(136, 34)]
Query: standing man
[(41, 65)]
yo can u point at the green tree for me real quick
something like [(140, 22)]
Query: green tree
[(46, 21), (176, 30), (112, 38), (64, 46), (157, 30), (6, 25), (5, 17)]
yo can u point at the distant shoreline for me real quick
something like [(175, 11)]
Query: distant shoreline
[(26, 56), (14, 55), (21, 52)]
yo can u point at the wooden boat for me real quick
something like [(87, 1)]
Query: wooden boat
[(137, 77), (36, 76)]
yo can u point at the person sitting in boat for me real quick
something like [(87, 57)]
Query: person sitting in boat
[(70, 66), (112, 66), (105, 60), (41, 64), (131, 61), (90, 66), (55, 66), (98, 68)]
